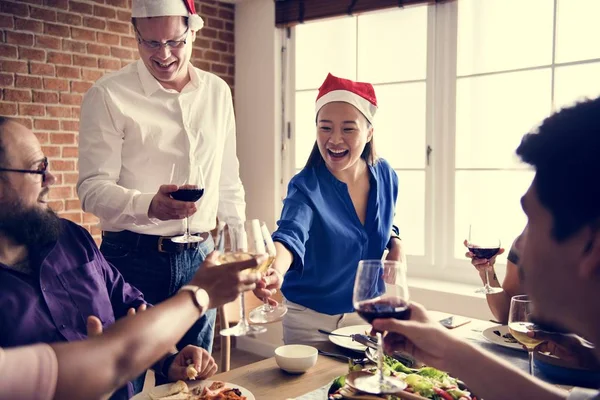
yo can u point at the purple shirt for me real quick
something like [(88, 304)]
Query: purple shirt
[(74, 282)]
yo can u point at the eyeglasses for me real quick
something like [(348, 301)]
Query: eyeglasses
[(42, 171), (154, 45)]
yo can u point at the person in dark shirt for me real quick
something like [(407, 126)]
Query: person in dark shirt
[(52, 275)]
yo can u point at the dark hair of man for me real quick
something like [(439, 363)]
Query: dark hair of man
[(565, 153), (369, 155)]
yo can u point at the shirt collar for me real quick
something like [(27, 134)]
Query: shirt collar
[(150, 85)]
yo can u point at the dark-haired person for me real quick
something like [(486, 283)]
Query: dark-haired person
[(126, 349), (339, 210), (52, 275), (135, 125), (559, 261)]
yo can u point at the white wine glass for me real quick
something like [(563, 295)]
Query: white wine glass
[(267, 313), (520, 323), (246, 241), (484, 246), (380, 291), (190, 189)]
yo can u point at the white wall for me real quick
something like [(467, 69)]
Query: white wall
[(257, 105)]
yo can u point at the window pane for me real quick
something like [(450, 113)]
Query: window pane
[(577, 30), (491, 198), (400, 124), (494, 112), (392, 45), (305, 128), (575, 83), (323, 47), (499, 35), (410, 211)]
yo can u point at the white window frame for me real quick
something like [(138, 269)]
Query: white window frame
[(439, 262)]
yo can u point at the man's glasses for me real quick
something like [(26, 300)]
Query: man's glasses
[(154, 44), (41, 171)]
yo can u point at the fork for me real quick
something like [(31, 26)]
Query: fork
[(360, 361)]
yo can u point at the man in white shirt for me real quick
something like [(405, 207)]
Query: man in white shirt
[(140, 125), (559, 263)]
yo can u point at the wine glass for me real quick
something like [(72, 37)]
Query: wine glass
[(484, 246), (267, 313), (191, 189), (246, 240), (520, 322), (380, 291)]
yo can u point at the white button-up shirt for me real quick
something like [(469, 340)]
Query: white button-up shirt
[(132, 131)]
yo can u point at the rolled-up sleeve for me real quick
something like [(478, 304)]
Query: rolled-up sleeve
[(100, 148), (28, 373), (294, 225)]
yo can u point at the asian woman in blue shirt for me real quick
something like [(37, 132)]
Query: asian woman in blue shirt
[(339, 210)]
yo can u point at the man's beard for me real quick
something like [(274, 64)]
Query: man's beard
[(30, 226)]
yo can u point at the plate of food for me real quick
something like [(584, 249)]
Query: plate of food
[(421, 384), (501, 336), (197, 390), (347, 342)]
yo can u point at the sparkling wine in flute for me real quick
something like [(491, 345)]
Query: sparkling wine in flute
[(519, 331), (233, 257)]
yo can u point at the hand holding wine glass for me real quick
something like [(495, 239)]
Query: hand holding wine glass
[(380, 291), (246, 241), (484, 247), (190, 189)]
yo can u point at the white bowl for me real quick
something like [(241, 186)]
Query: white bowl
[(296, 358)]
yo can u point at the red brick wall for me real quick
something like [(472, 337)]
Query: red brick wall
[(51, 52)]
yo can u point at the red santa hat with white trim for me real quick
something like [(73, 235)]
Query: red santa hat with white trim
[(359, 94), (166, 8)]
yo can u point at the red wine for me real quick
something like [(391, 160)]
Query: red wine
[(187, 194), (384, 308), (484, 253)]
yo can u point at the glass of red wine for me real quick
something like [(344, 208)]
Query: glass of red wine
[(191, 189), (380, 291), (484, 246)]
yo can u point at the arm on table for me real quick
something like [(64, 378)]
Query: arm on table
[(484, 373), (91, 368), (499, 303)]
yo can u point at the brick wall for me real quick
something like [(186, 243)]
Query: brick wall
[(51, 52)]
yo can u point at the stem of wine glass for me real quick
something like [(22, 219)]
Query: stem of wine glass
[(487, 278), (187, 226), (380, 359), (530, 358), (243, 319)]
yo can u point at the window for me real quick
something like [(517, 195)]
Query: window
[(467, 78)]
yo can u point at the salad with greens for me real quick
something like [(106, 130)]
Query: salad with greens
[(427, 382)]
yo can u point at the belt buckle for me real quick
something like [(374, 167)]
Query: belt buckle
[(160, 244)]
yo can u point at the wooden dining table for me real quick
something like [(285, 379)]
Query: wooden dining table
[(267, 381)]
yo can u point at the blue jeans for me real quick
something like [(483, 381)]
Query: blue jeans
[(159, 276)]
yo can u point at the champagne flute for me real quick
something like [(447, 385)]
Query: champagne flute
[(243, 249), (380, 291), (484, 246), (520, 322), (191, 189), (267, 313)]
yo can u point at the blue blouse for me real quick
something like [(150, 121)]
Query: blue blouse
[(320, 227)]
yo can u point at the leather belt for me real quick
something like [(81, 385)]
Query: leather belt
[(162, 244)]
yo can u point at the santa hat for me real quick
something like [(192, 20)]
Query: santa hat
[(361, 95), (165, 8)]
